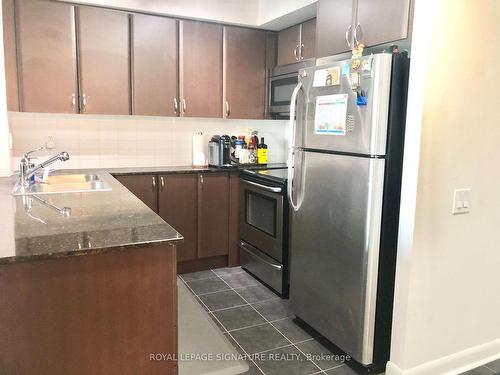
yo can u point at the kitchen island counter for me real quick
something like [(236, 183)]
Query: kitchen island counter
[(60, 225)]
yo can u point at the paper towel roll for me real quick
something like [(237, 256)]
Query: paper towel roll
[(199, 157)]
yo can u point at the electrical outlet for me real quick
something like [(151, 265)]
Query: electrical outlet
[(50, 143), (461, 201)]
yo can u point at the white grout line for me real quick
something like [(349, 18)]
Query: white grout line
[(222, 325), (286, 338), (229, 308), (334, 367)]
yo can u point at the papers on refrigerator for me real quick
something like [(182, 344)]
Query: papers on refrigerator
[(331, 114)]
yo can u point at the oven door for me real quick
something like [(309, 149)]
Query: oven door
[(280, 92), (261, 217)]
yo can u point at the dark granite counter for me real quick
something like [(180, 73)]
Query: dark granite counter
[(33, 228), (191, 169)]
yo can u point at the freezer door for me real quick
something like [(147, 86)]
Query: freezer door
[(335, 246), (362, 128)]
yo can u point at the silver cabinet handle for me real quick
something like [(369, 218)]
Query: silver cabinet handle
[(263, 187), (302, 52), (227, 109), (176, 106), (184, 107), (162, 183), (153, 182), (84, 103), (356, 39), (295, 52), (347, 36), (201, 179), (73, 101)]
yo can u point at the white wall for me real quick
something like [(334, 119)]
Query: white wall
[(269, 14), (447, 303), (96, 141), (5, 151)]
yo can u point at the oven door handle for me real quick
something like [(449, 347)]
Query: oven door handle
[(263, 187)]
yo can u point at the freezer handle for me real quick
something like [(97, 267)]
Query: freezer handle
[(291, 148)]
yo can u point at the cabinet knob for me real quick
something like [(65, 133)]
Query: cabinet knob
[(176, 106), (357, 40), (73, 101), (184, 107), (348, 36), (84, 103)]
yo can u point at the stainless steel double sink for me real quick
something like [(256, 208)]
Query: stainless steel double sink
[(61, 184)]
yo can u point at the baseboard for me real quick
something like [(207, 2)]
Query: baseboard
[(452, 364)]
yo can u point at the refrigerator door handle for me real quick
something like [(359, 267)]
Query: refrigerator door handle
[(291, 148)]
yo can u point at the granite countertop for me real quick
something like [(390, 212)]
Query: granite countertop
[(191, 169), (31, 229)]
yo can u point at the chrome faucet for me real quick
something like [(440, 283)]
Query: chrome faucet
[(27, 169)]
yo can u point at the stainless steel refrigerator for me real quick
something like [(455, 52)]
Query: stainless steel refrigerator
[(344, 189)]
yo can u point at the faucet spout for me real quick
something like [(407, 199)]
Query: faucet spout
[(26, 173)]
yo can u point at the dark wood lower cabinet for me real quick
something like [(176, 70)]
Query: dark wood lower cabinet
[(213, 214), (104, 313), (203, 207), (143, 187), (177, 205)]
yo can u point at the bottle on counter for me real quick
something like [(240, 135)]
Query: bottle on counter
[(262, 152)]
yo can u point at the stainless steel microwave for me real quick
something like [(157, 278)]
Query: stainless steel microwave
[(283, 80)]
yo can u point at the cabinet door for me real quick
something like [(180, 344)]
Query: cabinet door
[(245, 73), (177, 205), (46, 56), (9, 44), (103, 37), (334, 27), (382, 21), (200, 69), (288, 45), (154, 65), (308, 40), (213, 214), (143, 187)]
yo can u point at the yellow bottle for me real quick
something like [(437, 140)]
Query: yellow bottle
[(262, 152)]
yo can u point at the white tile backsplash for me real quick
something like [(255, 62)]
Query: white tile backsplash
[(97, 141)]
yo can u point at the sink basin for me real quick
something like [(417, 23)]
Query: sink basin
[(59, 184)]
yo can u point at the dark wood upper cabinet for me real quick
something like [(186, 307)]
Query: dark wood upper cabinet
[(245, 73), (213, 214), (288, 45), (334, 27), (200, 69), (46, 56), (144, 187), (154, 65), (177, 205), (9, 44), (382, 21), (341, 24), (308, 39), (103, 37)]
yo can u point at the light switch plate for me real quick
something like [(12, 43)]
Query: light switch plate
[(461, 201)]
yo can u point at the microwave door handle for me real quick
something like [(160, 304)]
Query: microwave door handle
[(291, 148)]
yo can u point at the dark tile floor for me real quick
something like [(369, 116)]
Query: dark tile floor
[(262, 325)]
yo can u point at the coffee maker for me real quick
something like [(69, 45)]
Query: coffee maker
[(219, 151)]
